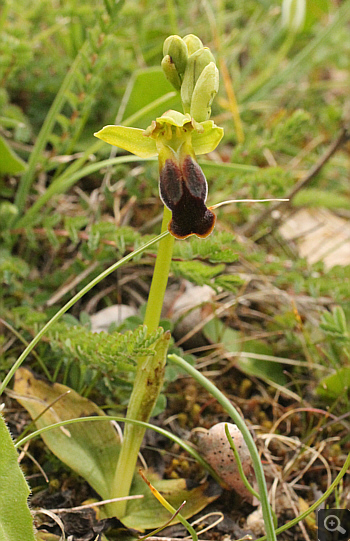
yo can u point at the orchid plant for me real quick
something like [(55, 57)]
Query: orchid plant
[(177, 138)]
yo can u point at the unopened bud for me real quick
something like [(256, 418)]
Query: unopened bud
[(176, 48), (293, 14), (204, 92), (170, 72), (193, 43), (195, 65)]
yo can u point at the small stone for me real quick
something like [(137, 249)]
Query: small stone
[(215, 448)]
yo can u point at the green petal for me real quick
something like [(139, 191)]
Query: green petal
[(131, 139), (207, 140), (174, 118)]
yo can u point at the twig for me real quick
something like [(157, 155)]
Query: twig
[(93, 504), (343, 136)]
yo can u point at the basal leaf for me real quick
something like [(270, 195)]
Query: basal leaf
[(145, 87), (90, 449)]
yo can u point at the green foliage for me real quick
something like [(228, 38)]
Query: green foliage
[(313, 197), (217, 248), (12, 268), (255, 365), (62, 78), (335, 386), (292, 130), (196, 271), (136, 98), (229, 282), (15, 518), (10, 163), (113, 352), (334, 324)]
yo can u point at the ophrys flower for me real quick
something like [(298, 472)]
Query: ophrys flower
[(177, 139)]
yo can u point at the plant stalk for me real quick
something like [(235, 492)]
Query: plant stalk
[(149, 376), (160, 276), (146, 389)]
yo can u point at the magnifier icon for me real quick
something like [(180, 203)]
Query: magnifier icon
[(332, 524)]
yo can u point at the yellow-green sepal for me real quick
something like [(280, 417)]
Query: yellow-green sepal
[(131, 139), (207, 139)]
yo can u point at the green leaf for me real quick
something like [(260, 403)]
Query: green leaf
[(130, 139), (334, 323), (232, 340), (15, 518), (229, 282), (10, 163), (316, 11), (335, 385), (90, 449), (8, 212), (145, 87)]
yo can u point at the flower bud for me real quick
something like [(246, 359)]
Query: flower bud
[(170, 72), (204, 92), (176, 49), (193, 43), (195, 65), (293, 14)]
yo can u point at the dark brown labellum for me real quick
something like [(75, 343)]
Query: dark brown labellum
[(183, 190)]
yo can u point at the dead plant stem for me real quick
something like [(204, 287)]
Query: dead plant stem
[(250, 228)]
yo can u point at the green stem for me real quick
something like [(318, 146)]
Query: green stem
[(146, 389), (228, 407), (160, 276), (70, 303), (149, 375)]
